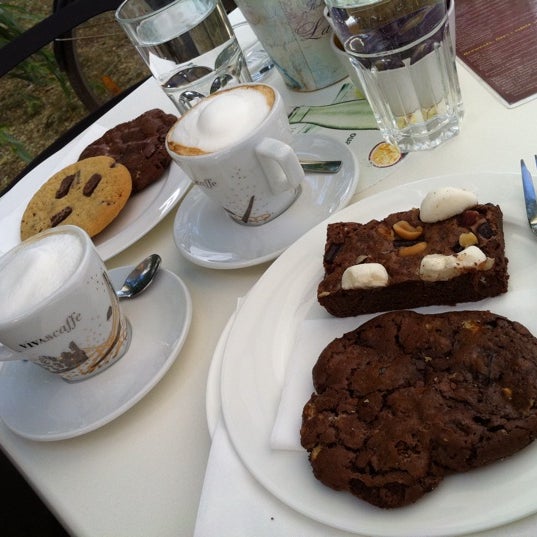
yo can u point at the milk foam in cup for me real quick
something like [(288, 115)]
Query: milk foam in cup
[(236, 146), (215, 124), (59, 309)]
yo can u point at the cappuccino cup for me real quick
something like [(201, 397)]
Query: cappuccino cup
[(235, 145), (59, 309)]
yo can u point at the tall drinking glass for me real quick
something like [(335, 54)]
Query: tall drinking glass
[(403, 53), (188, 45)]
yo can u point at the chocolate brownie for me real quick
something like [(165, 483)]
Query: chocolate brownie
[(407, 399), (399, 244), (139, 145)]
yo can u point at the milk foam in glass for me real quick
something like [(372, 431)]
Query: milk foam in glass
[(36, 272)]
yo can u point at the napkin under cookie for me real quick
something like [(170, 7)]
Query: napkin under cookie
[(312, 337)]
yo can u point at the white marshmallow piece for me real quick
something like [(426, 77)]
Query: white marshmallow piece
[(364, 276), (445, 203), (438, 267)]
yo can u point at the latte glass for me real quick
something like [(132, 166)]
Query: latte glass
[(59, 309)]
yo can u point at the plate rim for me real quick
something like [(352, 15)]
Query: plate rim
[(234, 349), (173, 185)]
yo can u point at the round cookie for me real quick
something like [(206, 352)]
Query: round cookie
[(138, 144), (89, 194), (407, 399)]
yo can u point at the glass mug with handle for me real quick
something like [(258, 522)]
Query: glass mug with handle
[(59, 309)]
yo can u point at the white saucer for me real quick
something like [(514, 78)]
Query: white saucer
[(207, 236), (41, 406)]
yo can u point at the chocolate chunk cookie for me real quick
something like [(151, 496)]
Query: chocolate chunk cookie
[(139, 145), (406, 399), (89, 194)]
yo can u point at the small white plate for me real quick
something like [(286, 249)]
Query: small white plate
[(142, 212), (41, 406), (207, 236)]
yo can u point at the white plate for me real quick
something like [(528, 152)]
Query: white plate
[(258, 349), (41, 406), (207, 236), (141, 213)]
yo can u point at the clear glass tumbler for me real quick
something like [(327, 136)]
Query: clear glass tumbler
[(403, 54)]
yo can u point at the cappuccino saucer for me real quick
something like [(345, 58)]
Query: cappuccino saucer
[(207, 236), (39, 405)]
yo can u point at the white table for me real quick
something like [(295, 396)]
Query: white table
[(141, 475)]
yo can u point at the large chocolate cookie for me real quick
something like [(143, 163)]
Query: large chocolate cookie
[(406, 399), (139, 145), (89, 194)]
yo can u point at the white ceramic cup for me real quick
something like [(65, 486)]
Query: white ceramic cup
[(60, 310), (235, 145)]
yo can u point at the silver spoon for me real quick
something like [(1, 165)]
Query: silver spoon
[(320, 166), (140, 277)]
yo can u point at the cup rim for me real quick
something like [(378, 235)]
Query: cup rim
[(235, 145)]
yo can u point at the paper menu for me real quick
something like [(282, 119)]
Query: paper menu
[(497, 40)]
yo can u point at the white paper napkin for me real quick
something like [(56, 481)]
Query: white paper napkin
[(313, 336), (234, 504)]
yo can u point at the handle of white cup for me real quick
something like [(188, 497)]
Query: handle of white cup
[(276, 157), (7, 355)]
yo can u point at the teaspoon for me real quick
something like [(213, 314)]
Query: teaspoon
[(320, 166), (140, 277)]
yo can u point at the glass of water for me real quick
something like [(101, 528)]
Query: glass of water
[(403, 54), (189, 46)]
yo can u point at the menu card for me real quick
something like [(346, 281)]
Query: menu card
[(497, 39)]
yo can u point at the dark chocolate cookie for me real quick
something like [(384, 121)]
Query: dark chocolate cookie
[(406, 399), (139, 145)]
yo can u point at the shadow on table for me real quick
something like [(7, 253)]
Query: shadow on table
[(23, 514)]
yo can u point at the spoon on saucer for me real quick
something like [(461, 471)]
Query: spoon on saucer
[(140, 277), (320, 166)]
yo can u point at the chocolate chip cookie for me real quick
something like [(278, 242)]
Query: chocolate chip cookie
[(407, 399), (89, 194), (139, 145)]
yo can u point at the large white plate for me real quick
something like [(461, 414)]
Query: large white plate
[(207, 236), (141, 213), (258, 349), (41, 406)]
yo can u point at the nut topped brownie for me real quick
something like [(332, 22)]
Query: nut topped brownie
[(451, 250), (407, 399)]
